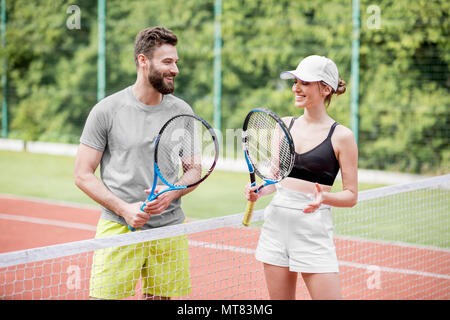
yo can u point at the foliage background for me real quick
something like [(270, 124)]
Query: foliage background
[(404, 66)]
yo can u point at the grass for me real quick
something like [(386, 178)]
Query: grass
[(416, 217), (51, 177), (419, 221), (41, 176)]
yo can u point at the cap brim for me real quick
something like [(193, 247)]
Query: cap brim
[(287, 75), (293, 74)]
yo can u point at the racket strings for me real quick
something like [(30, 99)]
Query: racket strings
[(186, 151), (268, 146)]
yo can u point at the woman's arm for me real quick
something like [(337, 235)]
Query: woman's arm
[(347, 154)]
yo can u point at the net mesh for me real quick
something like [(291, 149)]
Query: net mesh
[(186, 150), (394, 244), (268, 146)]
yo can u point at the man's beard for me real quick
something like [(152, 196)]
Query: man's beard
[(156, 79)]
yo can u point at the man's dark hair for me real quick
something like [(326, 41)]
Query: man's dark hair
[(151, 38)]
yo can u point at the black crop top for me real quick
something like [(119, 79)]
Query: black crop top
[(318, 164)]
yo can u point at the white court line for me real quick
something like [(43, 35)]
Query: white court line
[(342, 263), (49, 222), (50, 201), (392, 243), (395, 270)]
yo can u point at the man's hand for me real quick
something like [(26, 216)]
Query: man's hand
[(133, 214), (158, 205)]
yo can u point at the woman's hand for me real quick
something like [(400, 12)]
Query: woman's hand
[(250, 193), (318, 198)]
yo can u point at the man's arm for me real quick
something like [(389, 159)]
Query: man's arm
[(86, 162)]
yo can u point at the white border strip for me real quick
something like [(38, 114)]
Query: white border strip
[(224, 164), (12, 145)]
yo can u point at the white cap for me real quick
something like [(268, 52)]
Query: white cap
[(315, 68)]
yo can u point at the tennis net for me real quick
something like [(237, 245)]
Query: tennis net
[(394, 244)]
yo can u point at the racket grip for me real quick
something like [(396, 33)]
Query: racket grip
[(248, 213)]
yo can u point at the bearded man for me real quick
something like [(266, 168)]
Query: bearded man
[(119, 135)]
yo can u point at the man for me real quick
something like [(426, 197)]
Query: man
[(119, 134)]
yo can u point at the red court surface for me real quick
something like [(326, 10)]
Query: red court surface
[(42, 223), (222, 264)]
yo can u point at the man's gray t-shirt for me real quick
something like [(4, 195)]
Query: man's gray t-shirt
[(125, 129)]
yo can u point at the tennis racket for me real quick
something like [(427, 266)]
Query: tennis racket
[(186, 152), (268, 149)]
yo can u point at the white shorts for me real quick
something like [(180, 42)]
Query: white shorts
[(291, 238)]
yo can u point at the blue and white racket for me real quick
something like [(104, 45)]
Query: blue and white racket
[(186, 152), (268, 149)]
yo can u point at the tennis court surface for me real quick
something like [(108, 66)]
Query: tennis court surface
[(395, 244)]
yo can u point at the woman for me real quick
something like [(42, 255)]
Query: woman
[(297, 235)]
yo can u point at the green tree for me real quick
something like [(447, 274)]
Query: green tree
[(404, 87), (404, 66)]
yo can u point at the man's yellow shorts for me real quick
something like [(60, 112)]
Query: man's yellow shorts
[(161, 265)]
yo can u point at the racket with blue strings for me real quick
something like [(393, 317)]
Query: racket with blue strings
[(268, 149), (186, 152)]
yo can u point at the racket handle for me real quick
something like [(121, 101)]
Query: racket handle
[(131, 228), (248, 213)]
